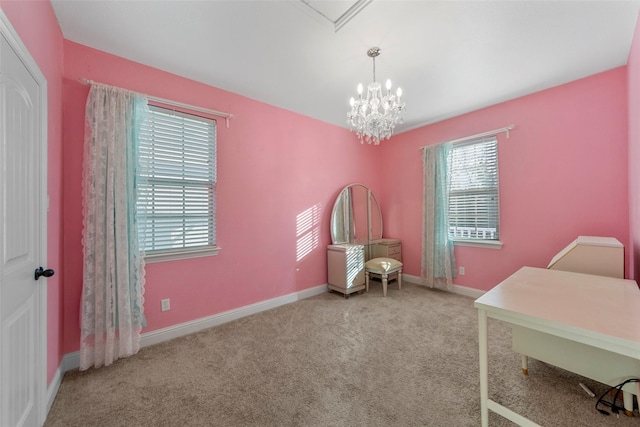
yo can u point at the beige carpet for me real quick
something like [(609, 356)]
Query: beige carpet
[(410, 359)]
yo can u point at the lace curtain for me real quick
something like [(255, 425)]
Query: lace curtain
[(112, 314), (438, 261)]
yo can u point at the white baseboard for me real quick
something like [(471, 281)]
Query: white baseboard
[(175, 331), (72, 360), (456, 289), (53, 387)]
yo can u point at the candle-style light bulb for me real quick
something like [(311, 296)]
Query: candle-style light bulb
[(399, 93), (360, 88), (388, 85), (352, 101)]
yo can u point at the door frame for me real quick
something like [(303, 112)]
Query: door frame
[(40, 368)]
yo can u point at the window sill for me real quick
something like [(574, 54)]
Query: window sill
[(173, 256), (491, 244)]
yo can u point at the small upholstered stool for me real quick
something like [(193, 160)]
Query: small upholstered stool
[(383, 267)]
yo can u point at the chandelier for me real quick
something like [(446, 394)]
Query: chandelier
[(374, 117)]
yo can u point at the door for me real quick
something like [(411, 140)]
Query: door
[(22, 233)]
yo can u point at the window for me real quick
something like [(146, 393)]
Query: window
[(473, 195), (176, 189)]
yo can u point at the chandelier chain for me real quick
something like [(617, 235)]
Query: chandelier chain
[(374, 69)]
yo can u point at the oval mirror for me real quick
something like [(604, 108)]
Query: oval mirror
[(356, 216)]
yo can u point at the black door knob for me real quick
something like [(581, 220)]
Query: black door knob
[(41, 272)]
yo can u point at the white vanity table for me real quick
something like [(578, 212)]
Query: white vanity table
[(356, 233)]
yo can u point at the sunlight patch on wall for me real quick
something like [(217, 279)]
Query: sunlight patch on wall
[(307, 231)]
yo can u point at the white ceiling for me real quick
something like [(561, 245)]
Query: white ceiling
[(449, 57)]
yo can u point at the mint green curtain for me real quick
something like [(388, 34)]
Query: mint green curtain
[(111, 313), (438, 260)]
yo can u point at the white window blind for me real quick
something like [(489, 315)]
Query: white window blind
[(473, 194), (176, 188)]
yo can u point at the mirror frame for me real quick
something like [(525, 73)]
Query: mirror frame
[(372, 208)]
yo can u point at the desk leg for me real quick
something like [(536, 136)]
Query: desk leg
[(525, 365), (627, 398), (484, 366)]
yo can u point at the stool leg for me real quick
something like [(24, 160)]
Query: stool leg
[(384, 285), (399, 279), (366, 281)]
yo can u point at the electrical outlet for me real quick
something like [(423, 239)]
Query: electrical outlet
[(166, 304), (461, 271)]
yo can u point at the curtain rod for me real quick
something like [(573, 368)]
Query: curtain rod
[(226, 116), (478, 135)]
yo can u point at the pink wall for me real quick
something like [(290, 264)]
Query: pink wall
[(38, 29), (273, 167), (633, 79), (563, 173)]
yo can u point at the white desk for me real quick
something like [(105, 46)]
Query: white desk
[(598, 313)]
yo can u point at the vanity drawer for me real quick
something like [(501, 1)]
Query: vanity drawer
[(395, 250), (387, 248), (346, 268), (397, 257)]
